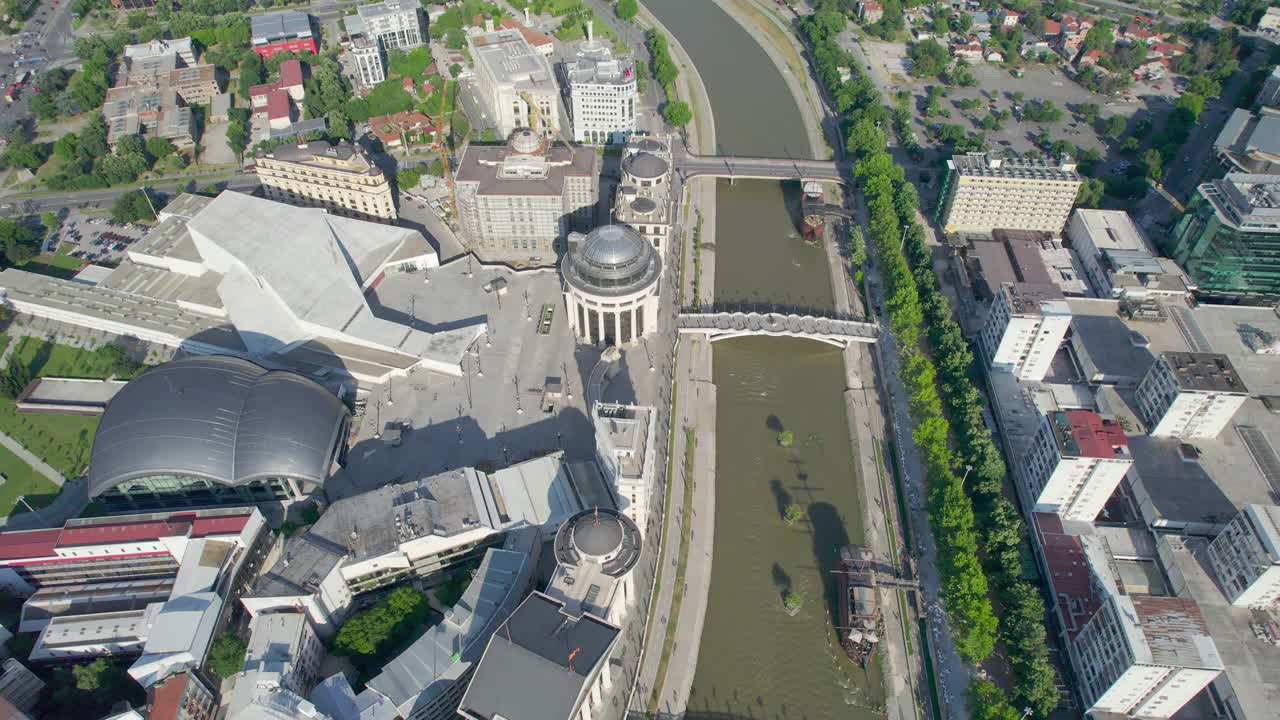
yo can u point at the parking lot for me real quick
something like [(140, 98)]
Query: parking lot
[(95, 239)]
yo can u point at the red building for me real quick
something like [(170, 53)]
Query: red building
[(284, 31)]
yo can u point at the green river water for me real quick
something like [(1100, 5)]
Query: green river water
[(754, 660)]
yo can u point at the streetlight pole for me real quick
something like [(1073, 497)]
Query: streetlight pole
[(23, 499), (1026, 711)]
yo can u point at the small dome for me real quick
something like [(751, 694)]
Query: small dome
[(597, 535), (649, 145), (524, 141), (612, 260), (643, 206), (645, 165)]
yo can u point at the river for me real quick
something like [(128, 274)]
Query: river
[(756, 661)]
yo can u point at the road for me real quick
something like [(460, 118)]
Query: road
[(15, 206)]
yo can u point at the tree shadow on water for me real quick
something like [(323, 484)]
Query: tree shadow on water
[(781, 580), (781, 497), (774, 423), (829, 535)]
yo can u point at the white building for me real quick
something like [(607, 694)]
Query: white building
[(1073, 464), (1144, 657), (415, 529), (1189, 395), (1270, 20), (644, 196), (284, 653), (611, 282), (1024, 327), (510, 74), (182, 48), (601, 92), (625, 438), (371, 67), (222, 276), (1246, 557), (986, 193), (1117, 259), (396, 23)]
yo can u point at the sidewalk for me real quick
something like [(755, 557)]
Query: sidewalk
[(36, 463)]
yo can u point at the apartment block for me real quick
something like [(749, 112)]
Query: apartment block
[(1073, 464), (984, 193), (397, 24), (519, 202), (1189, 395), (1144, 657), (339, 178), (371, 67), (284, 653), (1245, 557), (515, 82), (601, 93), (1024, 327)]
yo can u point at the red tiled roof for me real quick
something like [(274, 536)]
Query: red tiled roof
[(278, 105), (28, 543), (1096, 437), (1052, 27), (1068, 572), (264, 89), (290, 73), (223, 525), (534, 37), (114, 533)]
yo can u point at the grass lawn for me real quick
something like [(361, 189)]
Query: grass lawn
[(59, 264), (22, 479), (63, 441)]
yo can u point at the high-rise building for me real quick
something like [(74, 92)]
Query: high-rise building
[(1229, 239), (601, 93), (519, 202), (371, 68), (509, 75), (283, 31), (1144, 657), (985, 193), (284, 653), (339, 178), (396, 23), (1073, 464), (1246, 557), (1189, 395), (1025, 326)]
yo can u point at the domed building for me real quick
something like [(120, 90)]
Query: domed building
[(595, 548), (644, 195), (611, 280)]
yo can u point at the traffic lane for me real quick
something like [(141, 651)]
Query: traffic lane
[(101, 199)]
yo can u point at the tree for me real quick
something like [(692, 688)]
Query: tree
[(1114, 126), (1190, 103), (1204, 86), (627, 9), (793, 601), (793, 514), (252, 72), (1154, 163), (987, 702), (407, 179), (226, 656), (1089, 112), (864, 138), (677, 114), (1100, 37), (132, 207), (786, 438), (1042, 111), (1090, 193), (25, 154), (158, 147), (929, 58)]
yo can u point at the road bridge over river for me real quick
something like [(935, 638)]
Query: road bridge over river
[(724, 322)]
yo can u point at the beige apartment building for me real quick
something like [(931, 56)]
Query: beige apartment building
[(339, 178), (985, 193)]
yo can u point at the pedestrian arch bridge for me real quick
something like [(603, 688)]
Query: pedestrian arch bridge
[(723, 322)]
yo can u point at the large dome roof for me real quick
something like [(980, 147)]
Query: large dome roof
[(602, 537), (645, 166), (612, 260), (524, 141)]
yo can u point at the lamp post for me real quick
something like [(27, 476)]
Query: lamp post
[(1026, 711), (23, 499)]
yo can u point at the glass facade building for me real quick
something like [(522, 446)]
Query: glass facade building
[(1229, 239)]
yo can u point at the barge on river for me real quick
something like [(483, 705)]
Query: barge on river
[(860, 619)]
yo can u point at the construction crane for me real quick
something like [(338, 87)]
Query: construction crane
[(535, 114), (444, 154)]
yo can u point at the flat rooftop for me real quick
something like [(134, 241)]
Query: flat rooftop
[(1112, 230), (1008, 260), (985, 165), (507, 55), (1204, 372), (1247, 641), (1037, 299), (483, 164)]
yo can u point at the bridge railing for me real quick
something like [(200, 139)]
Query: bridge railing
[(770, 308)]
